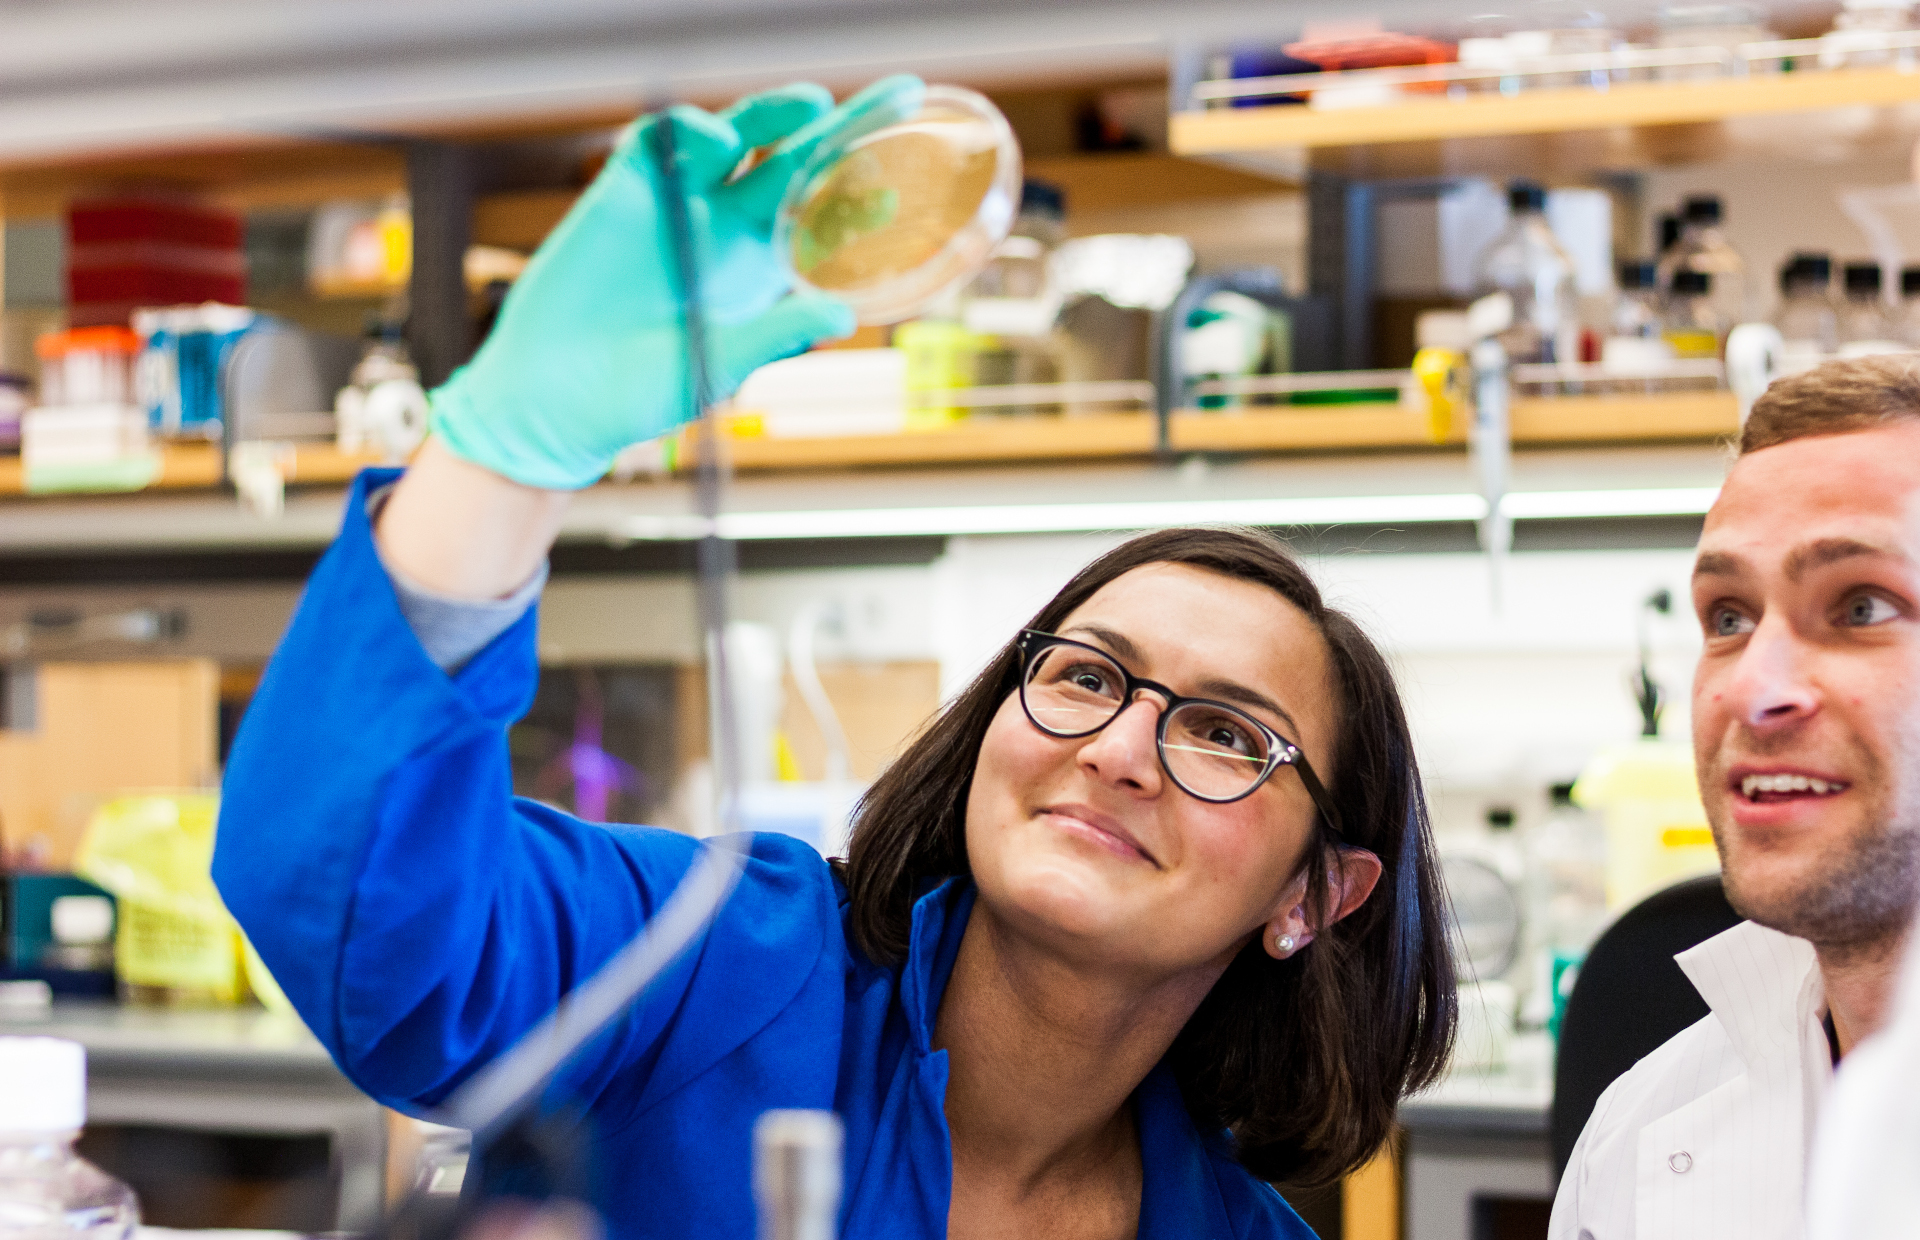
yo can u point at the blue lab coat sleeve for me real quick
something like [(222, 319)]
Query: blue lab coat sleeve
[(420, 917)]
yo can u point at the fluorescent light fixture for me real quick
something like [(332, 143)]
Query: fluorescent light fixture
[(1159, 514), (1650, 502)]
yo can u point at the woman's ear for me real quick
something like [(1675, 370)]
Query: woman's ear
[(1350, 880)]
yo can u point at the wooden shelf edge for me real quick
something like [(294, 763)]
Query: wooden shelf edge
[(1599, 419), (1559, 110), (977, 441), (1671, 417), (1305, 429), (196, 466)]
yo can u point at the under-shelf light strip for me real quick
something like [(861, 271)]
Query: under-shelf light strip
[(1145, 515)]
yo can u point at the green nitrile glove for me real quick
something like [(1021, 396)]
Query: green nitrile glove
[(588, 355)]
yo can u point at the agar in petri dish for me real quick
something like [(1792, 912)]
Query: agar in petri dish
[(895, 217)]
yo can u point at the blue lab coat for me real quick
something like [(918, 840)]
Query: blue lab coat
[(421, 919)]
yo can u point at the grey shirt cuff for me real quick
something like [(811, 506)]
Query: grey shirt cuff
[(453, 630)]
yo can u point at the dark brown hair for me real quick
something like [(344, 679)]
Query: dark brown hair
[(1304, 1059), (1835, 398)]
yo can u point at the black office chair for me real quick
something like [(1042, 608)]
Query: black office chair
[(1631, 997)]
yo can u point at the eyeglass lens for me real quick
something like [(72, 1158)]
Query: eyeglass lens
[(1210, 750)]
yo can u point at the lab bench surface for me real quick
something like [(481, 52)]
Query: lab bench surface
[(235, 1040), (1477, 1145), (242, 1072)]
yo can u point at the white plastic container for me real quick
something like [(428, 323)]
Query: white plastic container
[(87, 366), (828, 392), (82, 435), (46, 1190)]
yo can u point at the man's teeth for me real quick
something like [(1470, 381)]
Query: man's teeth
[(1752, 785)]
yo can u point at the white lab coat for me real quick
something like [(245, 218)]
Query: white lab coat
[(1707, 1137), (1861, 1182)]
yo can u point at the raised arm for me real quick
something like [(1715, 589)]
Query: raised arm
[(419, 917), (463, 531), (587, 356)]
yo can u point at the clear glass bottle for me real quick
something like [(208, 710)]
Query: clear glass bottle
[(797, 1171), (47, 1192), (1018, 267), (1910, 307), (385, 354), (1865, 325), (1529, 29), (1809, 326), (1860, 34), (1703, 246), (1566, 897), (1636, 330), (1637, 313), (1669, 228), (1693, 326), (1009, 305), (1526, 262), (1724, 26)]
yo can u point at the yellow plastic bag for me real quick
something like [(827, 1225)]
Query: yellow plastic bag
[(1657, 830), (175, 939)]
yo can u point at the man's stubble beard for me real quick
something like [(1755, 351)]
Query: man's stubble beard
[(1860, 895)]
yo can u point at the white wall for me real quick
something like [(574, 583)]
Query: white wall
[(1503, 703)]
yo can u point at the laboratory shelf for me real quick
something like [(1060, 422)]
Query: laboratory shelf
[(1595, 419), (196, 466), (1681, 417), (1407, 490), (1438, 117)]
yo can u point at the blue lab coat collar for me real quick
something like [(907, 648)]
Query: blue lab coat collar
[(1180, 1195)]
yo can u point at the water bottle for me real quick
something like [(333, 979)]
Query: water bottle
[(47, 1192)]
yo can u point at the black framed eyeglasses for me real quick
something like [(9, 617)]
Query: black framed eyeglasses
[(1213, 751)]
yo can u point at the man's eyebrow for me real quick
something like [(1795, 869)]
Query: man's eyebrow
[(1716, 564), (1824, 551), (1225, 690)]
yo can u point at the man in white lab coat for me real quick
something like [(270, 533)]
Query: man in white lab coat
[(1806, 726)]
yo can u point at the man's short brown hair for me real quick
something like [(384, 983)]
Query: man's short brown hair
[(1835, 398)]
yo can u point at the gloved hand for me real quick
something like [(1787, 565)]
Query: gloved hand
[(588, 355)]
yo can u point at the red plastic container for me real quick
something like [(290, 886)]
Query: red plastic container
[(125, 253)]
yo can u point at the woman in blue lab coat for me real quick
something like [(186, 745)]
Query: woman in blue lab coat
[(1147, 918)]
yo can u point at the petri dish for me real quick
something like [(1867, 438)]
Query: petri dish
[(889, 219)]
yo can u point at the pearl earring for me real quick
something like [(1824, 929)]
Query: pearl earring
[(1285, 943)]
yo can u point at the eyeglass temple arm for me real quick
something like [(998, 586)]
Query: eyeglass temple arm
[(1315, 789)]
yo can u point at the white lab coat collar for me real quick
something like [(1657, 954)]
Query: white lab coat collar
[(1743, 974), (1706, 1138)]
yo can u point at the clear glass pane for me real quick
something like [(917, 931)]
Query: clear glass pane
[(1214, 750)]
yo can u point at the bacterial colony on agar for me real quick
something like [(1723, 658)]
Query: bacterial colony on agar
[(902, 214)]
